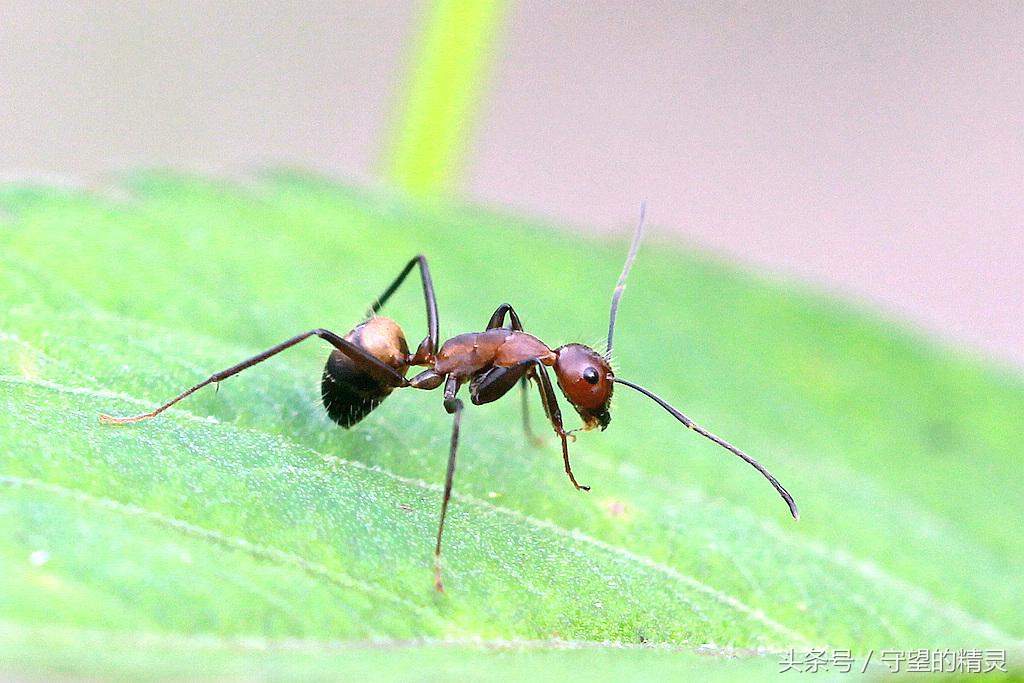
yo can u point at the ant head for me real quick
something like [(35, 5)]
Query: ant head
[(585, 378)]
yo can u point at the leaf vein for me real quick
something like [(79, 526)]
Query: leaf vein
[(259, 551)]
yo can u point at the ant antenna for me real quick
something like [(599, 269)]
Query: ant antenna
[(621, 285), (720, 441)]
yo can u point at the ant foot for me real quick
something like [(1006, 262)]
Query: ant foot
[(579, 487), (438, 583)]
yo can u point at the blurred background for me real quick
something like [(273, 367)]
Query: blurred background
[(875, 149)]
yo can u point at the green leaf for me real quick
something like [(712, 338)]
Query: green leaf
[(245, 530)]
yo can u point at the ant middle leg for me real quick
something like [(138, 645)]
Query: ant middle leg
[(362, 358), (498, 320)]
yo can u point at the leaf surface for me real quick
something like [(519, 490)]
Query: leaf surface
[(244, 513)]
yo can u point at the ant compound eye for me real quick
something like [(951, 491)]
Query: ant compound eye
[(591, 376)]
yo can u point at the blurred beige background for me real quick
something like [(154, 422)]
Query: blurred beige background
[(873, 148)]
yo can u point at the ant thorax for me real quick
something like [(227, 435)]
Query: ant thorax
[(467, 354)]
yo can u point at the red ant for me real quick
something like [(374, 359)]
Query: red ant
[(372, 360)]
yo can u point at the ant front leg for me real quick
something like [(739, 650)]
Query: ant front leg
[(547, 393), (498, 320), (361, 357), (496, 382), (429, 345), (454, 407)]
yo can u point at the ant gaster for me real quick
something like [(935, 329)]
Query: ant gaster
[(373, 360)]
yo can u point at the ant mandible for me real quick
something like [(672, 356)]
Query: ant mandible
[(372, 360)]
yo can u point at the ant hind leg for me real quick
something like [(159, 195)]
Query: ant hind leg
[(429, 344), (364, 359)]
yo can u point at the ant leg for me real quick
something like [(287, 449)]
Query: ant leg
[(429, 345), (360, 356), (492, 384), (534, 439), (454, 407), (496, 382), (547, 394), (428, 379), (498, 318)]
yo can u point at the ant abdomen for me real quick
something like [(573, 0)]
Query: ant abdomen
[(350, 392)]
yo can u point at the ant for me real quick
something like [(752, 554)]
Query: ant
[(373, 360)]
